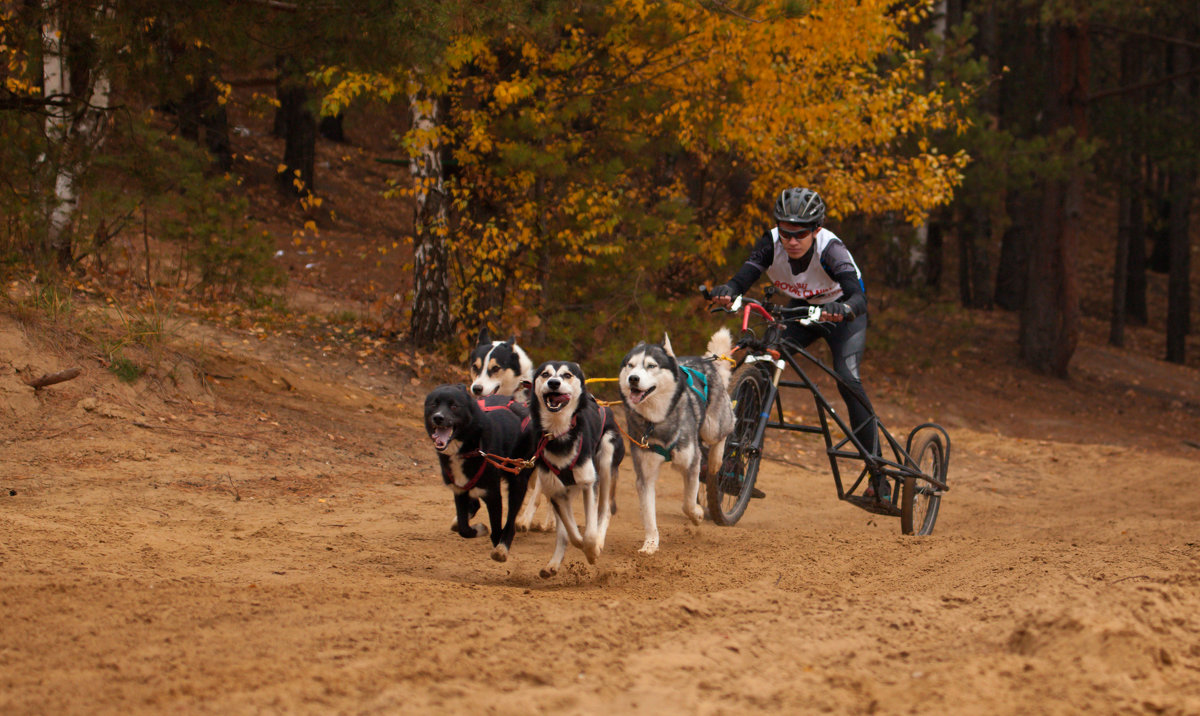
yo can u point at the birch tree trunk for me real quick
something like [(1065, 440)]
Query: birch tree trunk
[(68, 132), (431, 322), (56, 85)]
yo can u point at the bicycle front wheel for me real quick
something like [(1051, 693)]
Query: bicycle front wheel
[(919, 500), (729, 490)]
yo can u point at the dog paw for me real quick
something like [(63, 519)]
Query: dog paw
[(521, 526), (694, 513), (547, 572), (481, 530), (550, 524), (500, 553), (649, 547)]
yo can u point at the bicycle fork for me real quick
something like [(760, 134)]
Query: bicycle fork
[(776, 372)]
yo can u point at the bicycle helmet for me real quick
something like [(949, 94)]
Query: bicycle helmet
[(800, 206)]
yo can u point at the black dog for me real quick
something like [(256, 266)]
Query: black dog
[(578, 449), (476, 440)]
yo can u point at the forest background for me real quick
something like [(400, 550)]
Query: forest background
[(562, 171)]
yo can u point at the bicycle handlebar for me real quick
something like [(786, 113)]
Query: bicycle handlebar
[(803, 314)]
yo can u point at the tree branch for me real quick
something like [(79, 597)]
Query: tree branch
[(52, 378)]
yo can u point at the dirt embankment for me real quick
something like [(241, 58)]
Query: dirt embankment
[(273, 538)]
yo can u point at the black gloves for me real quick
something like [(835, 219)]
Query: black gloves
[(838, 308), (724, 290)]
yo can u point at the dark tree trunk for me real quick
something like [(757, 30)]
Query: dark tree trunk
[(1116, 325), (1127, 170), (1159, 260), (975, 272), (1178, 285), (934, 251), (1015, 39), (200, 109), (1180, 186), (331, 127), (1050, 314), (299, 131), (1012, 267), (1136, 312)]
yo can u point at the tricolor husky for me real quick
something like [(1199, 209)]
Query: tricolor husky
[(578, 449), (503, 368), (500, 368), (476, 441), (671, 406)]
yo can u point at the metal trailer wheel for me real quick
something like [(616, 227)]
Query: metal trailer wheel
[(919, 500)]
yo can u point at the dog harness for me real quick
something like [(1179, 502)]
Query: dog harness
[(538, 455), (488, 407), (693, 376), (507, 405)]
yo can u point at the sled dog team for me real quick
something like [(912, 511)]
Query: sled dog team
[(536, 431)]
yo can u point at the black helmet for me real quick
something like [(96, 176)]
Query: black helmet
[(800, 206)]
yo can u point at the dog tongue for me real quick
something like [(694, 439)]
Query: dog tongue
[(441, 437), (558, 399), (636, 396)]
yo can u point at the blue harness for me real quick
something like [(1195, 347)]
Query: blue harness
[(694, 377)]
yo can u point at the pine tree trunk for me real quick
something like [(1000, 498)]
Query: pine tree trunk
[(1180, 187), (299, 131), (1130, 62), (1050, 314), (934, 253), (431, 320), (1013, 264), (1136, 312)]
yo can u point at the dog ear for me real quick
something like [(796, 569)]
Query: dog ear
[(512, 339), (484, 336), (667, 345)]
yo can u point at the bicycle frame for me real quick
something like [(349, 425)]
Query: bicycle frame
[(876, 465)]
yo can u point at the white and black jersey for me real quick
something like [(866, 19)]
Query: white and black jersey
[(833, 276)]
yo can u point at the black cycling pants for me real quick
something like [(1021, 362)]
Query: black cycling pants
[(847, 341)]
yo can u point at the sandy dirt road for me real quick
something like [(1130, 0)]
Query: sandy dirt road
[(278, 543)]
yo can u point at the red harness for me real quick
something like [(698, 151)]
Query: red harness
[(487, 459), (541, 448)]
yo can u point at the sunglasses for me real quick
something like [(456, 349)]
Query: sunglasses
[(796, 235)]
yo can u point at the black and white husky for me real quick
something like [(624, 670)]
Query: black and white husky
[(578, 449), (503, 368), (672, 405)]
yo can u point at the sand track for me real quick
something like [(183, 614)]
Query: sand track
[(282, 546)]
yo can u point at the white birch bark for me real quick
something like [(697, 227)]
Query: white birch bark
[(67, 132), (431, 320), (57, 86)]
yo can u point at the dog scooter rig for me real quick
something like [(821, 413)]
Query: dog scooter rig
[(916, 471)]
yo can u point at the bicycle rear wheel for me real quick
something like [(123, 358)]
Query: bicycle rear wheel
[(919, 500), (729, 490)]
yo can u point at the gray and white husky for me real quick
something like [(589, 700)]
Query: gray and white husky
[(672, 405)]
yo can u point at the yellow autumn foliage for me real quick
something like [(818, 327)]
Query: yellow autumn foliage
[(628, 125)]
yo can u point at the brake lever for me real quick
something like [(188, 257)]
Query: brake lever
[(814, 316)]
